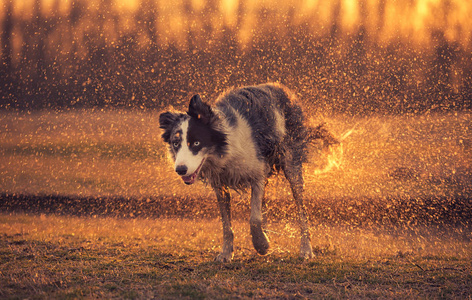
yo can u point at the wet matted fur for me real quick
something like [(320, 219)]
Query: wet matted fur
[(251, 133)]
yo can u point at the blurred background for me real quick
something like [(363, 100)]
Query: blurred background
[(350, 56), (82, 84)]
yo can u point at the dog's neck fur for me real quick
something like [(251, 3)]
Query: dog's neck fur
[(239, 166)]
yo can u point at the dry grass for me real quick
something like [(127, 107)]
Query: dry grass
[(69, 257), (120, 153), (392, 221)]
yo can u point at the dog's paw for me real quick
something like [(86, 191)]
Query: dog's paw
[(306, 255), (224, 257), (259, 240), (306, 252)]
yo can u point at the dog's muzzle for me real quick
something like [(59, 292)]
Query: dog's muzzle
[(188, 179), (181, 170)]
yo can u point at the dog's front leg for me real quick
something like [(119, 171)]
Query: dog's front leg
[(223, 196), (259, 239)]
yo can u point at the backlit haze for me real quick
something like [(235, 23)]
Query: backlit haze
[(346, 55), (83, 83)]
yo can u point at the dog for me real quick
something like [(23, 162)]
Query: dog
[(250, 134)]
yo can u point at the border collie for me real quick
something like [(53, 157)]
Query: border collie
[(251, 133)]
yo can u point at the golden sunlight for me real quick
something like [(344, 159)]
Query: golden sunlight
[(229, 8), (383, 20), (350, 15)]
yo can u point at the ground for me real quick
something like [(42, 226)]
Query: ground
[(91, 208), (46, 256)]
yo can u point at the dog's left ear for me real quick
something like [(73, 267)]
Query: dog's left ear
[(200, 110), (166, 121)]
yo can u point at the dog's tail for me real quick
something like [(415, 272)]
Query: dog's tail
[(321, 133), (330, 151)]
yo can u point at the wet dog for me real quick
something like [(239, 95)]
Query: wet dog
[(251, 133)]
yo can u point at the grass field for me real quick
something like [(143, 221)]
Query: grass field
[(120, 153), (49, 256), (91, 208)]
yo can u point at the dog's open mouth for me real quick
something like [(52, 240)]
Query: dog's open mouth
[(190, 179)]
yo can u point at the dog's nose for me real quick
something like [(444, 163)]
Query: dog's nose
[(181, 170)]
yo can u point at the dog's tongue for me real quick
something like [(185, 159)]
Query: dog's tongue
[(190, 178)]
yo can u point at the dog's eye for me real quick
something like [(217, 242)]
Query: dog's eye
[(176, 144), (196, 143)]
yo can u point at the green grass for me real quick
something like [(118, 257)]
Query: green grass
[(46, 257)]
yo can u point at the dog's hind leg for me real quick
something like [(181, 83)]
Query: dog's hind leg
[(259, 239), (294, 175), (223, 196), (264, 207)]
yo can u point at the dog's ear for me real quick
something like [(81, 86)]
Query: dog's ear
[(166, 121), (200, 110)]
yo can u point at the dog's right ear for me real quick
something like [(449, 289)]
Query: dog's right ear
[(200, 110), (167, 120)]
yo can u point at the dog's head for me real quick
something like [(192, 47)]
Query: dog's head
[(192, 138)]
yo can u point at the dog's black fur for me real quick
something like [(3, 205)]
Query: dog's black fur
[(251, 133)]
